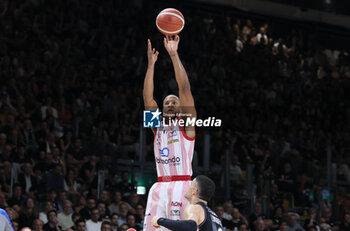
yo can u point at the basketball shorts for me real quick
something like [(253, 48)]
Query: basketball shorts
[(166, 199)]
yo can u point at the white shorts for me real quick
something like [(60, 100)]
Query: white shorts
[(166, 199)]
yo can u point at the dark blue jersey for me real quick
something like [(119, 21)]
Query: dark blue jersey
[(211, 221)]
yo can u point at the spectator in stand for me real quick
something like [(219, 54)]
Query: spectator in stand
[(48, 109), (276, 196), (71, 184), (7, 153), (131, 222), (277, 219), (75, 216), (7, 177), (125, 186), (86, 211), (219, 210), (26, 229), (123, 209), (134, 200), (293, 224), (45, 164), (88, 171), (75, 153), (345, 225), (65, 217), (140, 215), (43, 214), (286, 180), (28, 138), (328, 215), (104, 211), (21, 155), (114, 222), (325, 227), (17, 196), (123, 227), (62, 197), (260, 225), (284, 226), (3, 142), (80, 225), (117, 200), (54, 179), (106, 226), (262, 37), (94, 223), (28, 213), (312, 221), (228, 209), (237, 220), (243, 227), (105, 197), (257, 213), (38, 225), (49, 142), (52, 224), (27, 179)]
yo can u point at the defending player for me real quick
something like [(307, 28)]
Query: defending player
[(173, 144), (5, 222), (197, 213)]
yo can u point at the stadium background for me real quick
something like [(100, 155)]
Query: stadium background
[(71, 105)]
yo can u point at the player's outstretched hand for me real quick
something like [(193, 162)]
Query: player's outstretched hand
[(171, 44), (154, 222), (152, 54)]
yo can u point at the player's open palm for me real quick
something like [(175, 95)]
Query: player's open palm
[(171, 44), (152, 54)]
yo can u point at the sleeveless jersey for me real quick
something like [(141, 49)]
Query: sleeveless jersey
[(211, 221), (173, 150)]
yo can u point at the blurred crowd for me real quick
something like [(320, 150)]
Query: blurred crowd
[(70, 107)]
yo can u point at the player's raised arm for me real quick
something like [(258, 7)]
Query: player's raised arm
[(193, 217), (186, 98), (148, 85)]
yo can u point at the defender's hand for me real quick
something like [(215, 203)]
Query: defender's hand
[(171, 44), (154, 222), (152, 54)]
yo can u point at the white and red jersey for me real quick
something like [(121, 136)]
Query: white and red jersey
[(173, 151)]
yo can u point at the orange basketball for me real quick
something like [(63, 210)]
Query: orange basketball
[(170, 21)]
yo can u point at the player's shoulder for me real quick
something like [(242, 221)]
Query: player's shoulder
[(194, 212), (194, 209), (3, 212)]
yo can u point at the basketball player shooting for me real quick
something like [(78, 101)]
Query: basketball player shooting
[(173, 144)]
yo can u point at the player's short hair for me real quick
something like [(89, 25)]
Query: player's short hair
[(206, 187), (171, 95)]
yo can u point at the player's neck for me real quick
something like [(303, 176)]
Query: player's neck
[(195, 200)]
